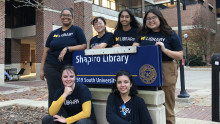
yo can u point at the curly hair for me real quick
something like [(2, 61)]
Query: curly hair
[(133, 90), (164, 27), (134, 23)]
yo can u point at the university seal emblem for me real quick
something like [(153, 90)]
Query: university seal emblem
[(147, 74)]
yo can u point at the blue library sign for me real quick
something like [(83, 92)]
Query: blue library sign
[(145, 65)]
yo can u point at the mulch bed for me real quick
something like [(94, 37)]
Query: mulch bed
[(22, 115)]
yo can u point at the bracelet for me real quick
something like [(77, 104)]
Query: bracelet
[(67, 48)]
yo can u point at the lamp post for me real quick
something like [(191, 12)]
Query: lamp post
[(183, 93), (187, 61)]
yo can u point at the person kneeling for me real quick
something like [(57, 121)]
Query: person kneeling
[(123, 106)]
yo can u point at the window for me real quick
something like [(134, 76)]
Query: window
[(105, 3), (201, 1), (210, 7), (96, 2)]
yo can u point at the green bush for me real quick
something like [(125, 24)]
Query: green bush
[(195, 60)]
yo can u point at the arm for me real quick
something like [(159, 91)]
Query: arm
[(145, 117), (178, 55), (136, 44), (56, 105), (85, 113), (45, 52), (116, 45), (102, 45), (106, 40), (71, 48), (111, 114)]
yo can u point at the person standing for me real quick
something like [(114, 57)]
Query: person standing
[(156, 31), (58, 51), (123, 106), (104, 39), (126, 30)]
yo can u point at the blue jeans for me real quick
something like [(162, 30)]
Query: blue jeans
[(8, 76)]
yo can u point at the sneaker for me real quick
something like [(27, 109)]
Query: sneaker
[(10, 78)]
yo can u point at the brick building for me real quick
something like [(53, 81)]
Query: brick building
[(23, 31)]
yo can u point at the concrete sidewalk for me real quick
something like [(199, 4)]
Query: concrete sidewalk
[(196, 111), (182, 109)]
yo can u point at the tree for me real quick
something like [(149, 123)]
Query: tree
[(201, 37), (38, 4)]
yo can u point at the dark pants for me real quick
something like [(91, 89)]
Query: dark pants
[(49, 120), (53, 77)]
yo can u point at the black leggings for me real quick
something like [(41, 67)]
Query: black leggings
[(49, 120), (53, 77)]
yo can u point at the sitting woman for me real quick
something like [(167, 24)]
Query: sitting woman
[(75, 100), (103, 39), (123, 106)]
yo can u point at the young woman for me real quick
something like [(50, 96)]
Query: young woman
[(103, 39), (58, 51), (156, 31), (126, 30), (74, 98), (123, 106)]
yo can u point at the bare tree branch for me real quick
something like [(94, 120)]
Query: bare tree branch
[(31, 3)]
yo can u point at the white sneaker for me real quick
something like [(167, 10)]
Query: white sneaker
[(10, 78)]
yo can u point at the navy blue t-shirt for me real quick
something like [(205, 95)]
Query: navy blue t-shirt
[(132, 112), (73, 103), (171, 43), (58, 39), (126, 38), (106, 38)]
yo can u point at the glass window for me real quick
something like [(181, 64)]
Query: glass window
[(105, 3), (96, 2), (113, 5)]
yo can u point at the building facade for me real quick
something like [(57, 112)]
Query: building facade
[(24, 30)]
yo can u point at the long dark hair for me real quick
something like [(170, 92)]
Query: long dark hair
[(164, 27), (134, 23), (133, 90)]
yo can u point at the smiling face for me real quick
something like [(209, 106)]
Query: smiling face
[(99, 26), (153, 22), (68, 78), (125, 18), (123, 84), (66, 18)]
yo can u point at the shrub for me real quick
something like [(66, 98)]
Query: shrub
[(195, 60)]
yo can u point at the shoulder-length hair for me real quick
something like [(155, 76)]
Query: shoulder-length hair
[(133, 90), (134, 23), (95, 20), (164, 27)]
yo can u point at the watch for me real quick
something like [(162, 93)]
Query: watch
[(67, 49)]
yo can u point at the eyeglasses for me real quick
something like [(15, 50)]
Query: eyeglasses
[(153, 18), (64, 15), (98, 24)]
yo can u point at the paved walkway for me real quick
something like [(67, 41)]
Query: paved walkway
[(34, 93)]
